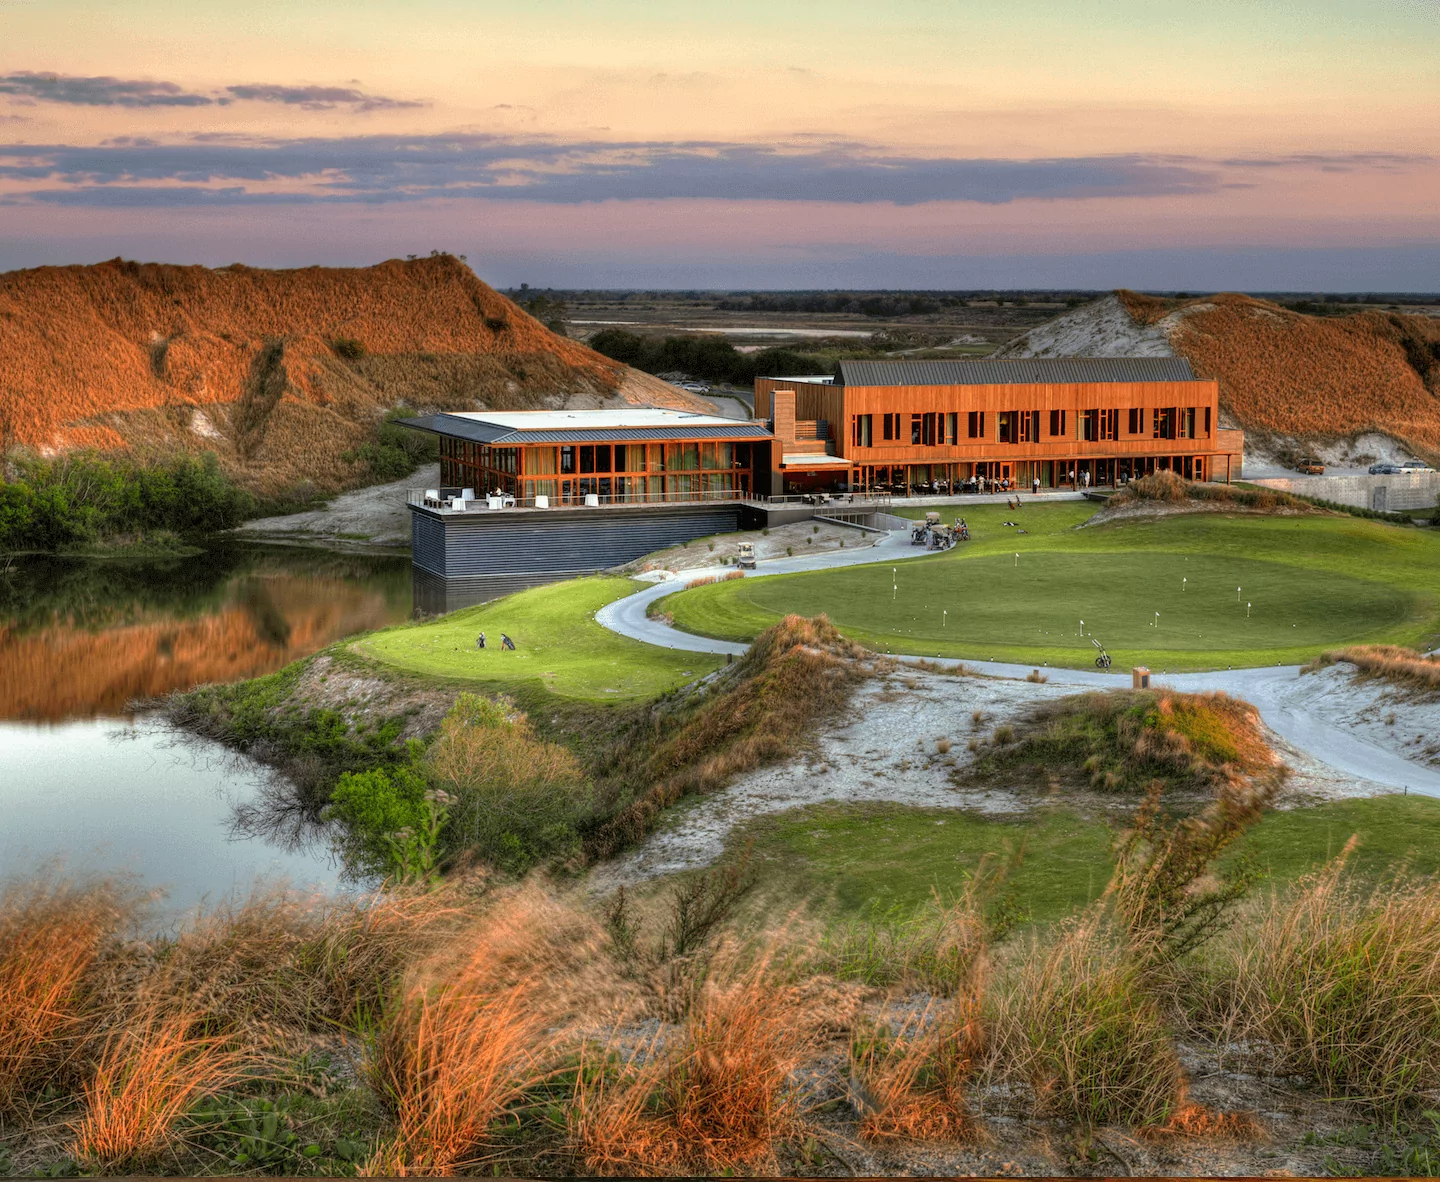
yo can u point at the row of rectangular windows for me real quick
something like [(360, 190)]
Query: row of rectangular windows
[(940, 428), (603, 457)]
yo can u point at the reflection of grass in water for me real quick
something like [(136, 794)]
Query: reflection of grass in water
[(43, 591)]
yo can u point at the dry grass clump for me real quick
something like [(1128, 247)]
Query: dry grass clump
[(712, 1098), (706, 580), (1340, 984), (910, 1082), (152, 1069), (1299, 375), (1077, 1022), (295, 964), (1388, 662), (51, 935), (467, 1033), (795, 673), (1168, 488)]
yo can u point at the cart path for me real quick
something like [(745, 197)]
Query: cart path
[(1279, 693)]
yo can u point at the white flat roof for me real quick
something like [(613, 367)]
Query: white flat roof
[(632, 416)]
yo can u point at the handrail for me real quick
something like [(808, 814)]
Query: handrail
[(481, 503)]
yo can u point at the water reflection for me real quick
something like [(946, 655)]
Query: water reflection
[(80, 638), (86, 784), (106, 798)]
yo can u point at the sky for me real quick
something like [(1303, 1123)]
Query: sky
[(1156, 144)]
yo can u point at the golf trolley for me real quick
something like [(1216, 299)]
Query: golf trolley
[(1103, 660)]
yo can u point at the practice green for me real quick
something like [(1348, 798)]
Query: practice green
[(1228, 590)]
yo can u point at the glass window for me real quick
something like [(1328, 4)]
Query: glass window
[(656, 488), (540, 461), (976, 424), (635, 457), (683, 457), (861, 431), (952, 422)]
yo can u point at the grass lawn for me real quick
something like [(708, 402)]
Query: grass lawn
[(852, 860), (1310, 583), (558, 646)]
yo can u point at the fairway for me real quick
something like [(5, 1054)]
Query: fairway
[(558, 646), (1191, 592), (853, 860)]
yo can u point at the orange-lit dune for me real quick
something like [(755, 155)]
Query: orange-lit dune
[(278, 372)]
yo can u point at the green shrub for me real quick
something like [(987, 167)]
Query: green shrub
[(372, 806), (79, 499)]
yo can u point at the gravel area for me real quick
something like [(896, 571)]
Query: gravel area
[(903, 741), (376, 516)]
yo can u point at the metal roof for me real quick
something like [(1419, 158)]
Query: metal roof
[(478, 430), (1019, 372)]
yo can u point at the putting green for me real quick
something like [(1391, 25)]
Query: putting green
[(559, 646), (1228, 590)]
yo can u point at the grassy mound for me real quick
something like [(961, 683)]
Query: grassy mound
[(1400, 666), (759, 711), (1126, 740)]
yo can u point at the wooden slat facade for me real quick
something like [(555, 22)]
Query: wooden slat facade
[(1047, 425)]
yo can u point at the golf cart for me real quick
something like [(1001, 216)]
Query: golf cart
[(746, 557)]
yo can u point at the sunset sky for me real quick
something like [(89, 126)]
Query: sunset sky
[(1256, 144)]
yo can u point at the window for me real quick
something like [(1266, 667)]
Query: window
[(952, 422), (1137, 421), (1187, 423), (861, 431), (891, 424), (976, 424), (929, 428), (914, 430), (1090, 425), (1164, 423), (1207, 422), (1109, 424), (1057, 423), (1007, 426), (634, 457), (1029, 426)]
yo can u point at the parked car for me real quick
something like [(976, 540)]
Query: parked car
[(1416, 466), (1384, 469), (695, 387), (1311, 466)]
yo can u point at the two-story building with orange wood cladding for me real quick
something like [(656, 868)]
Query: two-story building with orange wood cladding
[(941, 426)]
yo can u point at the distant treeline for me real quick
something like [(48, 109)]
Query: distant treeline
[(709, 357), (85, 499)]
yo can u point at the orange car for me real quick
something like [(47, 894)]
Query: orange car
[(1311, 466)]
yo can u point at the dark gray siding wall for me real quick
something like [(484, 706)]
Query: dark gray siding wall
[(569, 543), (427, 542)]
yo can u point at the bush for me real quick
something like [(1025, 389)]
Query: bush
[(518, 799), (80, 499), (373, 806), (396, 451)]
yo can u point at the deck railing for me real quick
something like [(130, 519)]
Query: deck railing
[(451, 500)]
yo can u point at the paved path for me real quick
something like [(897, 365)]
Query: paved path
[(1276, 693)]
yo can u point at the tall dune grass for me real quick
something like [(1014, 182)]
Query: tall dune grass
[(1339, 983), (151, 1070), (1388, 662), (51, 934)]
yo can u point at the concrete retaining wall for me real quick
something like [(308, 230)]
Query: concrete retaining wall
[(1393, 493)]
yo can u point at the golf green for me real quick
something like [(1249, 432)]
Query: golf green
[(1183, 593), (559, 646)]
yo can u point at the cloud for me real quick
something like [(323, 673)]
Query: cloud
[(104, 91), (320, 98), (100, 91), (379, 169)]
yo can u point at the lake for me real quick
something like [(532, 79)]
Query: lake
[(91, 783)]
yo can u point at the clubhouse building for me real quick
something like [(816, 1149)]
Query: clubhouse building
[(531, 496), (943, 426)]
